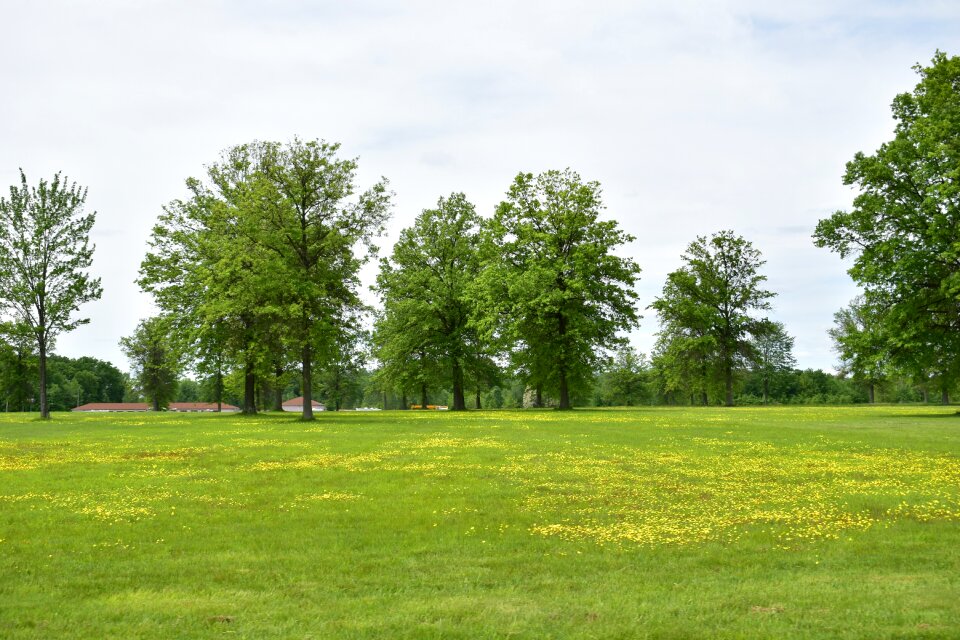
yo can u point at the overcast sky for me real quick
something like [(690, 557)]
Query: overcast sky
[(694, 116)]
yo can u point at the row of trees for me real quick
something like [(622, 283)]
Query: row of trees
[(256, 274)]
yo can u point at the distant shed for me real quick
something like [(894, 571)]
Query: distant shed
[(295, 405), (113, 406), (202, 407)]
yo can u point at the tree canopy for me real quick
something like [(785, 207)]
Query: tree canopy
[(425, 288), (552, 288), (707, 308), (903, 230)]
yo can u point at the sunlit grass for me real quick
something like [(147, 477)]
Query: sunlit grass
[(767, 522)]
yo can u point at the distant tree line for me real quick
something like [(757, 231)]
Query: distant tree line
[(256, 275)]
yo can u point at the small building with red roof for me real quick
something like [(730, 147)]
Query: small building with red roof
[(295, 405)]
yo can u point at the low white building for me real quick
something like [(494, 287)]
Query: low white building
[(295, 405)]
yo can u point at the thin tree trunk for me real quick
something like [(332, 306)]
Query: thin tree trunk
[(564, 390), (218, 390), (944, 397), (478, 399), (728, 374), (562, 369), (538, 399), (423, 396), (403, 401), (923, 392), (871, 393), (704, 398), (766, 389), (44, 407), (307, 383), (249, 389), (459, 401)]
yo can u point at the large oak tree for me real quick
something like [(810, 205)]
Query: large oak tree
[(553, 289), (903, 230)]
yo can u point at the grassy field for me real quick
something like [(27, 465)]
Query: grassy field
[(659, 523)]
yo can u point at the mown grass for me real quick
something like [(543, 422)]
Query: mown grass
[(646, 523)]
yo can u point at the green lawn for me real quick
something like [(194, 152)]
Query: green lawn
[(654, 522)]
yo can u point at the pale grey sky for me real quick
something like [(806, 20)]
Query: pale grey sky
[(694, 116)]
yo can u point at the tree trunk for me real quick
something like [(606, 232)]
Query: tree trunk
[(384, 400), (728, 375), (44, 407), (423, 396), (944, 397), (404, 404), (766, 389), (277, 389), (538, 399), (478, 399), (249, 389), (564, 390), (156, 402), (870, 391), (459, 401), (923, 392), (704, 398), (218, 391), (307, 383), (562, 369)]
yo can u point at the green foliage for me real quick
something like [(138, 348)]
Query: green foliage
[(772, 354), (858, 339), (155, 361), (44, 258), (705, 310), (626, 381), (552, 290), (424, 337), (903, 231)]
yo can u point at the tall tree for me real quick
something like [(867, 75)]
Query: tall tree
[(858, 337), (154, 360), (219, 287), (714, 295), (552, 289), (425, 286), (903, 230), (772, 355), (311, 221), (45, 255)]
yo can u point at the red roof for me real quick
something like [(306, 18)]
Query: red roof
[(144, 406), (201, 406), (113, 406), (298, 402)]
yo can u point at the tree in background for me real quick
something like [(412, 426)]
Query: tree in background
[(625, 382), (552, 290), (309, 220), (772, 355), (712, 297), (44, 259), (903, 230), (858, 339), (220, 288), (18, 367), (154, 360), (425, 290)]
